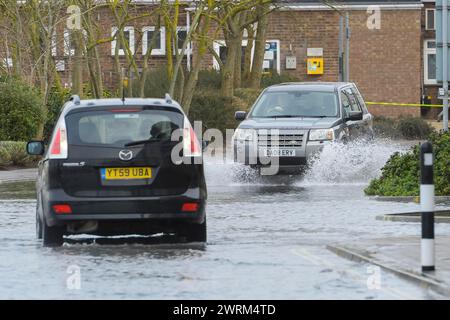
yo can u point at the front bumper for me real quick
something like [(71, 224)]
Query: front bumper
[(246, 153)]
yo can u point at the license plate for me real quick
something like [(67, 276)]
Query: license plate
[(278, 153), (126, 173)]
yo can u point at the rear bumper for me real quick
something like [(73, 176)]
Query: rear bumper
[(159, 209)]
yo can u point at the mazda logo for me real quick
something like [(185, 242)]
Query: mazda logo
[(126, 155)]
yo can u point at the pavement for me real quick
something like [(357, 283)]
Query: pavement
[(440, 216), (401, 256), (18, 175), (437, 125)]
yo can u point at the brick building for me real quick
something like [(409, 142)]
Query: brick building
[(388, 58)]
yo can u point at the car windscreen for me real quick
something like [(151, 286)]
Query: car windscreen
[(117, 127), (296, 104)]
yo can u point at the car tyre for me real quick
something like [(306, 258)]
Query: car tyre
[(52, 236), (38, 225), (196, 232)]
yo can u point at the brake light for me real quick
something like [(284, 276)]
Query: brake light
[(58, 146), (191, 145), (62, 209), (124, 110), (190, 207)]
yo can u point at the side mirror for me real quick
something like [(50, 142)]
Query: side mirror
[(240, 115), (35, 148), (354, 116)]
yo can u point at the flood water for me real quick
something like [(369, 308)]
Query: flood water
[(267, 239)]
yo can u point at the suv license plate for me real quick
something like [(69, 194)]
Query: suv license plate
[(126, 173), (278, 153)]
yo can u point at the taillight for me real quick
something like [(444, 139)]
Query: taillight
[(62, 209), (59, 146), (191, 145), (190, 207)]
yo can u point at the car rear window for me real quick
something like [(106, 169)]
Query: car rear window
[(117, 127)]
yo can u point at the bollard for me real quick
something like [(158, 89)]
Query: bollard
[(427, 206)]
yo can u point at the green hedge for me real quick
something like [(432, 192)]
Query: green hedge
[(213, 110), (20, 111), (13, 153), (403, 128), (401, 174), (54, 104)]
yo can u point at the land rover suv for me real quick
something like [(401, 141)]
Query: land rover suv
[(109, 170), (293, 121)]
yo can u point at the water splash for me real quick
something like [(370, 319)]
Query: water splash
[(352, 163), (355, 162)]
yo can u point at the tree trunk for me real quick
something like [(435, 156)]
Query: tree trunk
[(233, 45), (260, 48), (248, 55), (77, 65)]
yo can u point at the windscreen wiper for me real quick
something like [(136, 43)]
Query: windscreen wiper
[(136, 143)]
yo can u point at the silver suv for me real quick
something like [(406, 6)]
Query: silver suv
[(293, 121)]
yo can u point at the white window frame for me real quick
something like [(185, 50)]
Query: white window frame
[(427, 51), (68, 51), (221, 43), (145, 44), (426, 19), (189, 46), (114, 42), (54, 44)]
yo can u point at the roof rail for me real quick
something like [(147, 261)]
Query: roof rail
[(75, 99), (168, 99)]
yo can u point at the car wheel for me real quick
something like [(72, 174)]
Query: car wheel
[(52, 236), (196, 232), (38, 225)]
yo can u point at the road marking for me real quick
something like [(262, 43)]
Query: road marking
[(316, 260)]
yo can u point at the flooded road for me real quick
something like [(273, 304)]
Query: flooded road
[(266, 240)]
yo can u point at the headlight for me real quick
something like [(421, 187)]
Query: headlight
[(321, 134), (245, 134)]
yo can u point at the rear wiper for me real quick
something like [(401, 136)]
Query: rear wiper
[(136, 143)]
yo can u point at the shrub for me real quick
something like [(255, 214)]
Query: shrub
[(213, 110), (21, 112), (209, 79), (245, 98), (414, 128), (400, 176), (275, 78), (54, 104), (156, 85), (403, 128), (13, 153)]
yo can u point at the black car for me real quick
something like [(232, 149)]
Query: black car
[(110, 170)]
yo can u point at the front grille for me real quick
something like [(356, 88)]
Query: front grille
[(281, 140)]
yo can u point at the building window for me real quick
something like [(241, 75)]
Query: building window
[(160, 45), (54, 45), (430, 19), (271, 61), (429, 62), (70, 43), (181, 38), (129, 39)]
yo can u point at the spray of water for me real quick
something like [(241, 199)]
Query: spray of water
[(355, 162), (352, 163)]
